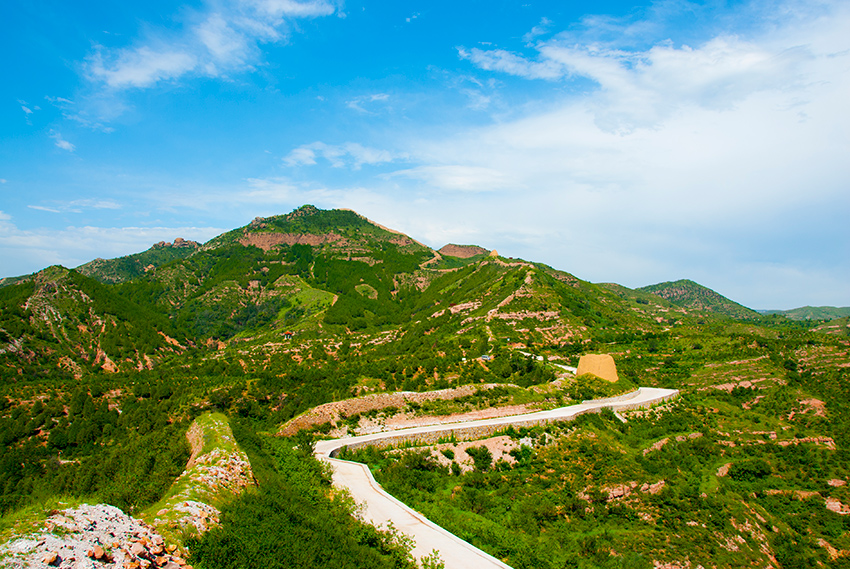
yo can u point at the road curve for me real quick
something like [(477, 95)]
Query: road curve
[(380, 508)]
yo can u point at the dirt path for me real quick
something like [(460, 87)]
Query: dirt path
[(380, 509)]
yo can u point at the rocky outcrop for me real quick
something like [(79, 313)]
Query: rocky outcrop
[(267, 241), (90, 537), (462, 251), (179, 242)]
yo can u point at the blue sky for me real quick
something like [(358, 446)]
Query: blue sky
[(623, 142)]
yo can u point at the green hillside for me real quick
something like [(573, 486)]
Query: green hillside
[(693, 296), (812, 312), (134, 266), (102, 375)]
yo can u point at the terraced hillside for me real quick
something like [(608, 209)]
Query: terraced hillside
[(291, 316)]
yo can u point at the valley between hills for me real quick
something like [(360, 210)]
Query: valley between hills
[(163, 409)]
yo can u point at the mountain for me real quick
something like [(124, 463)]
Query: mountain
[(688, 294), (133, 266), (328, 320), (812, 312), (62, 319)]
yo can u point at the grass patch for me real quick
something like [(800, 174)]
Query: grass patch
[(30, 518)]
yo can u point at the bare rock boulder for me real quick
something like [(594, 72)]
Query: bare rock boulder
[(600, 365)]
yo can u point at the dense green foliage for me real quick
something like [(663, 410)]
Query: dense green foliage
[(134, 266), (74, 443), (291, 521)]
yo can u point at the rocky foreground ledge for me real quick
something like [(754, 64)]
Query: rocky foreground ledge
[(89, 537), (102, 536)]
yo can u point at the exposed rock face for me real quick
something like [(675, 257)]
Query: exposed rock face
[(178, 243), (266, 241), (600, 365), (462, 251)]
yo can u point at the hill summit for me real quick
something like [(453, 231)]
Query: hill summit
[(691, 295)]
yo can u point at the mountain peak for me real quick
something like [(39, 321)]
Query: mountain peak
[(689, 294)]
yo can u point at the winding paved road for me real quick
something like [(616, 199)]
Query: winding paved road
[(379, 508)]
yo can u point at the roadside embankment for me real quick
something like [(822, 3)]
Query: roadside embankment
[(381, 509)]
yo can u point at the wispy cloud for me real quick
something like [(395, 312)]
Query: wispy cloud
[(61, 142), (221, 38), (641, 87), (463, 178), (140, 67), (361, 103), (76, 206), (28, 112), (98, 109), (58, 100), (507, 62), (44, 208), (350, 154), (541, 29)]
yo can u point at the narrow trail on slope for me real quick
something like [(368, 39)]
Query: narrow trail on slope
[(381, 509)]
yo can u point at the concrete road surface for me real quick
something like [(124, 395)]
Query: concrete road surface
[(381, 509)]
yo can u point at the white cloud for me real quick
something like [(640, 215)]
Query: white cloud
[(61, 142), (76, 206), (640, 88), (461, 178), (360, 103), (140, 67), (27, 110), (58, 100), (288, 8), (97, 204), (541, 29), (507, 62), (44, 208), (350, 154), (221, 38)]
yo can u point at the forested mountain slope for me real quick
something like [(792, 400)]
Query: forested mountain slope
[(689, 294), (102, 374)]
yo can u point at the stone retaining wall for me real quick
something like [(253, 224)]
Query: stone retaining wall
[(472, 433), (630, 406), (459, 433), (623, 397)]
